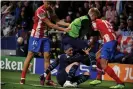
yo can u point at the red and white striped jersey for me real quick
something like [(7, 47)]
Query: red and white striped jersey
[(125, 44), (105, 28), (40, 28)]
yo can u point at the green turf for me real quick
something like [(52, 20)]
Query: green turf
[(12, 79)]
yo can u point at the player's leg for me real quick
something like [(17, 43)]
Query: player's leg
[(61, 77), (111, 73), (32, 48), (86, 61), (99, 74), (25, 68), (80, 78), (71, 70), (49, 69), (46, 54), (45, 76), (106, 53), (47, 63)]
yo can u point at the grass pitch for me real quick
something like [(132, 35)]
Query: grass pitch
[(11, 80)]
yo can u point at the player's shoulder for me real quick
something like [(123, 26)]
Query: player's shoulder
[(62, 55), (98, 20), (41, 9), (41, 12), (101, 20)]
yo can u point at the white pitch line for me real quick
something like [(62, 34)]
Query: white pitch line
[(36, 85)]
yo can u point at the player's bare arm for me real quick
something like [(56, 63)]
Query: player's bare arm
[(51, 25), (57, 20), (62, 23)]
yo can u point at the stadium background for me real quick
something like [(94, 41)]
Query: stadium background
[(17, 21)]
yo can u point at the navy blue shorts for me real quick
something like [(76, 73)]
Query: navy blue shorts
[(74, 42)]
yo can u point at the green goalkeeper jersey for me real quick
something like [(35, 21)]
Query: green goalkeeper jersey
[(80, 26)]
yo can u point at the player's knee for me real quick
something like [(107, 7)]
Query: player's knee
[(70, 66), (103, 63), (103, 66), (67, 69), (98, 61), (86, 73), (75, 63), (30, 53), (46, 56)]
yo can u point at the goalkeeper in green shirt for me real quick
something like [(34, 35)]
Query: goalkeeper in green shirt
[(79, 28)]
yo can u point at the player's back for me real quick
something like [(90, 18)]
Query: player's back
[(105, 28), (80, 27)]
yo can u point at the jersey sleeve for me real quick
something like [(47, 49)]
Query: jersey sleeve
[(75, 58), (42, 14)]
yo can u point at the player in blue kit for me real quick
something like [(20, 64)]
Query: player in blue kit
[(68, 65)]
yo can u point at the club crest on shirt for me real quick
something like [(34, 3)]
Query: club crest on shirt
[(42, 15)]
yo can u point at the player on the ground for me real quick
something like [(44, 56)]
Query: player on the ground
[(109, 46), (68, 65), (39, 41), (79, 28)]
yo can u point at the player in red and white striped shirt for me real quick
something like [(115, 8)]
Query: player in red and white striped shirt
[(105, 28), (39, 42), (109, 46)]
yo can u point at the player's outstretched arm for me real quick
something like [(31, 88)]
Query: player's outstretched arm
[(51, 25), (62, 23), (75, 58), (58, 21)]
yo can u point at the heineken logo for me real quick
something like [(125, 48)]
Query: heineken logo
[(11, 65)]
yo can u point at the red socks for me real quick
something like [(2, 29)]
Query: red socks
[(112, 74), (109, 71), (48, 77), (23, 74), (99, 74)]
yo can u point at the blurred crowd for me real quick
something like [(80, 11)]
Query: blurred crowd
[(17, 20)]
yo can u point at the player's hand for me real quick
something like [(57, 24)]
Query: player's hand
[(62, 23), (123, 59), (67, 29), (86, 50)]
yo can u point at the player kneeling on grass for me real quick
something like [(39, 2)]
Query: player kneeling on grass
[(67, 69)]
